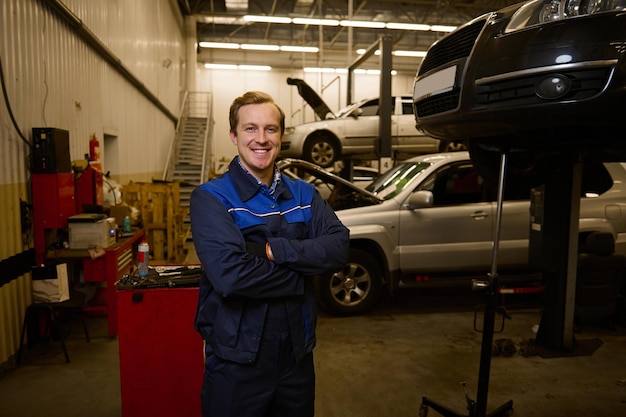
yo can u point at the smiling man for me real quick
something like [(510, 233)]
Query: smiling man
[(260, 238)]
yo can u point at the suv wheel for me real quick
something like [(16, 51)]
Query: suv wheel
[(353, 290), (321, 149)]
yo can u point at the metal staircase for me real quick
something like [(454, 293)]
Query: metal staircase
[(189, 156)]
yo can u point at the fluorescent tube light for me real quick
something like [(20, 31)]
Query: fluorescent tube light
[(315, 22), (362, 24), (219, 45), (255, 67), (260, 47), (326, 70), (267, 19), (288, 48), (362, 51), (408, 26), (417, 54), (328, 22), (237, 67), (442, 28), (220, 66)]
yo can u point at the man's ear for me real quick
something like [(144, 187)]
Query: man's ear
[(233, 137)]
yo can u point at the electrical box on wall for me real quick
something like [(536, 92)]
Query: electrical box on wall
[(51, 150)]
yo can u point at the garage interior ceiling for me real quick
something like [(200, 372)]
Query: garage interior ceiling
[(222, 21)]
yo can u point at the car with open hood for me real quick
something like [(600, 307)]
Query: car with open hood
[(532, 79), (430, 220), (352, 131), (340, 193)]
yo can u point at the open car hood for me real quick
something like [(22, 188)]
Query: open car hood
[(312, 98), (340, 193)]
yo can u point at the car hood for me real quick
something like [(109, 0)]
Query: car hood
[(360, 197), (309, 95)]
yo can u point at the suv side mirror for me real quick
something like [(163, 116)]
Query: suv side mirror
[(420, 199)]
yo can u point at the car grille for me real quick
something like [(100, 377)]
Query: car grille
[(521, 91), (437, 104), (456, 45)]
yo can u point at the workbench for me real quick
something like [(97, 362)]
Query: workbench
[(104, 265)]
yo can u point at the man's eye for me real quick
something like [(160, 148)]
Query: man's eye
[(250, 129), (272, 130)]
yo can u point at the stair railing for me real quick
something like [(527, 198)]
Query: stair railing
[(172, 153), (201, 106)]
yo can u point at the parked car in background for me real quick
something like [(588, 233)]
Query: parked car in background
[(533, 78), (353, 130), (434, 216)]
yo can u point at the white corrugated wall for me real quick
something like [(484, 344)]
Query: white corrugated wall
[(54, 79)]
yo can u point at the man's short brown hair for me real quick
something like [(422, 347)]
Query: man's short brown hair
[(252, 97)]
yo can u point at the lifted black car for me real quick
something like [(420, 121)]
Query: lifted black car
[(536, 78)]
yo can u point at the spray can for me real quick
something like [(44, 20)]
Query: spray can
[(143, 256)]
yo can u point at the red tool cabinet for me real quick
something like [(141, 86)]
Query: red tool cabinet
[(161, 354)]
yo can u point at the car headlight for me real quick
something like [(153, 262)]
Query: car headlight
[(289, 130), (536, 12)]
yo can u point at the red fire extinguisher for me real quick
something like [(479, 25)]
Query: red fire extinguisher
[(94, 148)]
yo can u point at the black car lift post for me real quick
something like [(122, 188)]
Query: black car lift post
[(478, 408)]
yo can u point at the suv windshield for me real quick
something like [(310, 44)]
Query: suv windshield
[(396, 179)]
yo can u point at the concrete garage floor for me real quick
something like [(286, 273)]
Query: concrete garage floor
[(381, 364)]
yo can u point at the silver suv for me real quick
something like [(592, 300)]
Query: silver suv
[(436, 218), (353, 131)]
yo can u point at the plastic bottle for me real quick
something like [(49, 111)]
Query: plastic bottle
[(127, 227), (143, 257)]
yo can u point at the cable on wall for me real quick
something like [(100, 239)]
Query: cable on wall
[(8, 104)]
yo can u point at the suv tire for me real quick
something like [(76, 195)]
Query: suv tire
[(353, 290), (321, 149)]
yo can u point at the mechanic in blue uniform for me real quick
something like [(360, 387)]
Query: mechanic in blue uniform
[(260, 237)]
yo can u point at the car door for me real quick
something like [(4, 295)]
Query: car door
[(406, 137), (456, 232), (361, 129)]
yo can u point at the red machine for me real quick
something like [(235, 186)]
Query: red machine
[(53, 203), (89, 190)]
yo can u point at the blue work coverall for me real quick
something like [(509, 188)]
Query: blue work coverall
[(241, 292)]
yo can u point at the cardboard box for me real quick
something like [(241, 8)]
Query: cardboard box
[(119, 212)]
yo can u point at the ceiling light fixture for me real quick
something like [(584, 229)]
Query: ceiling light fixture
[(237, 67), (219, 45), (259, 47), (312, 49), (442, 28), (348, 23), (362, 24), (418, 54), (255, 67), (326, 70), (220, 66), (315, 22), (345, 71), (267, 19), (408, 26)]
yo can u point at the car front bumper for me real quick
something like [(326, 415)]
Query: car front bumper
[(482, 83)]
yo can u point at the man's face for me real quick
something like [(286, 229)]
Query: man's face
[(258, 138)]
